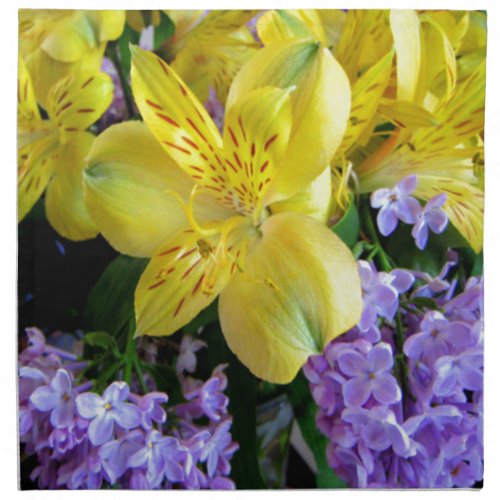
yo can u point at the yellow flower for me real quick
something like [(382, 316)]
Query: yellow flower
[(203, 207), (213, 51), (51, 151), (57, 43)]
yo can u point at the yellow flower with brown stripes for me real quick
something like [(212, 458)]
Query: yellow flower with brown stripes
[(208, 210), (51, 151)]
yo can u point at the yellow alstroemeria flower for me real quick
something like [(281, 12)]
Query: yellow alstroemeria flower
[(202, 207), (213, 51), (51, 151), (57, 43)]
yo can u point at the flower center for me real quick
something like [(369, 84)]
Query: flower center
[(371, 375), (107, 406)]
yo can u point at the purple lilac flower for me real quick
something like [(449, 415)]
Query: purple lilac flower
[(58, 398), (430, 435), (369, 376), (143, 450), (431, 217), (108, 410), (396, 204), (186, 362)]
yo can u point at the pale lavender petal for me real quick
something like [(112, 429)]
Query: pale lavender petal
[(116, 392), (437, 220), (470, 378), (44, 399), (352, 363), (407, 209), (407, 185), (437, 201), (89, 405), (375, 436), (61, 383), (415, 345), (380, 358), (368, 318), (403, 280), (420, 233), (139, 458), (445, 385), (126, 415), (385, 389), (101, 429), (386, 220), (62, 415), (356, 392), (380, 197)]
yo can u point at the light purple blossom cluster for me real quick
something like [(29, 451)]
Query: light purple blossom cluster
[(397, 204), (85, 440), (403, 406)]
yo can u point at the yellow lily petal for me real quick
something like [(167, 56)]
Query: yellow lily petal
[(319, 114), (333, 22), (184, 276), (108, 23), (127, 191), (78, 100), (64, 205), (406, 114), (178, 121), (256, 133), (36, 163), (366, 94), (27, 108), (313, 201), (320, 120), (300, 289), (464, 205), (364, 40), (47, 72), (277, 26), (405, 27)]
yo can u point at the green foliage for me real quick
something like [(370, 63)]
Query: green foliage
[(242, 393), (163, 31), (129, 36), (347, 229), (110, 304), (304, 410), (104, 341)]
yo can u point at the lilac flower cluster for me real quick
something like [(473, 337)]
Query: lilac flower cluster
[(85, 440), (397, 204), (402, 406)]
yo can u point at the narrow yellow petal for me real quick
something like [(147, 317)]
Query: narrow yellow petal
[(179, 122), (405, 27), (64, 204), (127, 191), (79, 100), (464, 205), (299, 289), (277, 26), (313, 201), (27, 108), (184, 276), (36, 163), (406, 114), (366, 94), (256, 133)]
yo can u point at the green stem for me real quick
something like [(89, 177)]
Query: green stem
[(130, 354), (111, 52), (140, 375), (372, 233)]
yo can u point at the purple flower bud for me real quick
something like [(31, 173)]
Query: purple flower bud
[(432, 217)]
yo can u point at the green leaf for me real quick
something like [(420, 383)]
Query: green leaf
[(242, 393), (425, 303), (163, 31), (110, 304), (305, 409), (347, 229), (103, 340), (129, 36)]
